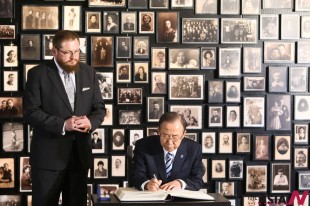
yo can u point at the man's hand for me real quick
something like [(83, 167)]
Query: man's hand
[(174, 185), (79, 124), (153, 184)]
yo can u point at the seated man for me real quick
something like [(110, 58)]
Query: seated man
[(181, 156)]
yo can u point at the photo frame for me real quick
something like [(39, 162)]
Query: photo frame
[(100, 168), (229, 62), (252, 60), (105, 80), (254, 83), (269, 26), (204, 170), (102, 50), (262, 147), (191, 113), (167, 28), (301, 157), (15, 111), (107, 3), (176, 81), (279, 52), (83, 48), (155, 108), (124, 46), (233, 116), (248, 200), (129, 96), (152, 131), (215, 91), (10, 56), (301, 107), (129, 117), (146, 22), (47, 46), (236, 170), (7, 31), (36, 17), (105, 190), (98, 141), (303, 180), (215, 118), (191, 135), (233, 93), (278, 79), (158, 4), (108, 118), (233, 30), (123, 72), (256, 178), (8, 9), (269, 4), (16, 199), (12, 137), (158, 55), (128, 22), (9, 163), (298, 79), (282, 147), (208, 142), (10, 81), (231, 7), (134, 4), (118, 139), (184, 59), (254, 111), (141, 72), (92, 22), (227, 188), (302, 54), (243, 143), (225, 145), (301, 5), (281, 177), (27, 67), (206, 7), (141, 45), (251, 7), (290, 26), (208, 57), (118, 163), (134, 136), (301, 134), (25, 175), (218, 170), (305, 26), (72, 17), (111, 22), (186, 4), (30, 45)]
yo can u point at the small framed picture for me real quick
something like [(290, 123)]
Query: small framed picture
[(305, 26), (105, 190), (47, 46), (269, 26), (123, 46), (140, 4), (301, 107), (301, 157), (107, 3), (208, 57), (277, 79), (14, 107), (236, 169), (301, 134), (250, 7), (205, 170), (303, 56), (206, 6), (208, 142), (282, 147), (167, 27), (233, 91), (10, 81), (191, 135), (215, 91), (123, 72), (25, 175), (290, 26), (225, 142), (155, 108), (12, 136), (100, 168), (254, 111), (191, 113), (153, 131), (215, 116), (10, 56), (303, 180), (72, 18), (129, 95), (226, 189), (158, 4), (261, 147), (229, 62), (7, 11), (189, 87), (243, 143), (141, 45), (128, 22), (105, 80), (93, 22), (250, 200), (186, 58), (185, 4), (252, 60), (233, 116), (281, 177), (270, 4), (158, 55), (141, 72), (134, 136), (98, 141), (118, 141), (147, 22), (218, 169), (8, 165), (108, 118), (230, 7), (256, 178), (7, 31), (16, 199), (118, 166), (298, 79), (102, 51), (111, 22), (130, 117), (252, 83), (83, 48), (279, 52)]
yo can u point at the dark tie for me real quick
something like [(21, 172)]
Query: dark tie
[(169, 158), (69, 86)]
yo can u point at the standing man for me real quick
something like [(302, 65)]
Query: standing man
[(63, 104)]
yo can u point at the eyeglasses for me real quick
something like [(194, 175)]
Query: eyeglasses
[(174, 138), (69, 53)]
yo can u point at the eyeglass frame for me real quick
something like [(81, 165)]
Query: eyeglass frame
[(69, 52), (167, 137)]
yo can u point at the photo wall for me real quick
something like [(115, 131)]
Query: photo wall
[(238, 71)]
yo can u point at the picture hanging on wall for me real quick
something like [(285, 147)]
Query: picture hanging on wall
[(102, 51), (72, 18), (185, 58), (225, 142), (254, 112), (191, 113), (111, 22), (167, 29), (7, 31), (206, 6)]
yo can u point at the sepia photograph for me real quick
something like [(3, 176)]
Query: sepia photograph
[(129, 117), (254, 83), (7, 31), (147, 22), (225, 188), (215, 91), (185, 58), (301, 157), (304, 180), (191, 135), (225, 142), (251, 7), (262, 147), (254, 111), (108, 118), (301, 134), (30, 45), (281, 178), (305, 26), (111, 22), (123, 46), (158, 55), (182, 4), (100, 168), (278, 4), (229, 62), (118, 139), (282, 147), (301, 107), (12, 137), (279, 52), (98, 141), (230, 7), (236, 169), (215, 118), (102, 51), (7, 9), (269, 26), (47, 46), (191, 113), (298, 79), (141, 72), (243, 143), (158, 4), (11, 107), (118, 166), (123, 72), (92, 22), (152, 131), (302, 5), (167, 27), (206, 6), (27, 67), (25, 175), (137, 4), (10, 81), (256, 178), (12, 199), (233, 116), (290, 26), (10, 56), (208, 57), (250, 201), (128, 22), (141, 45), (155, 108), (233, 93), (278, 79), (72, 18), (218, 170), (252, 57), (8, 173), (303, 54), (129, 96), (105, 80), (107, 3), (208, 142)]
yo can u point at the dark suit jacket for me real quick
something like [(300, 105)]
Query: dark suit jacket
[(46, 107), (149, 160), (129, 26)]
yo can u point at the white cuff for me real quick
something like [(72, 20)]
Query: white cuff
[(143, 184), (183, 184), (63, 129)]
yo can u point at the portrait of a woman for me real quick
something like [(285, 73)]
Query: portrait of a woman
[(141, 74)]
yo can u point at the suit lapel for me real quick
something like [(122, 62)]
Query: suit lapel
[(78, 91), (178, 161)]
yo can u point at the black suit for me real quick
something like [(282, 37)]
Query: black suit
[(149, 160), (46, 108)]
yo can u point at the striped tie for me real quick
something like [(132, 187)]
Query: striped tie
[(169, 158), (69, 86)]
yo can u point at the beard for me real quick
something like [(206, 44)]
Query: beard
[(68, 67)]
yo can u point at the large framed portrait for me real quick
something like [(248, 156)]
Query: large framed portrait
[(290, 26), (141, 45), (303, 180), (129, 117), (269, 26), (128, 22), (123, 72), (218, 170), (137, 4), (301, 134), (252, 60), (230, 7), (215, 118), (298, 79), (233, 116), (278, 79), (191, 113), (280, 177), (158, 80), (107, 3), (9, 166), (25, 175), (123, 46), (12, 137), (215, 91), (193, 32), (236, 170), (98, 141), (189, 87), (30, 45), (10, 56), (239, 31), (279, 52), (101, 166), (40, 17), (129, 95), (118, 139), (225, 142), (208, 57), (226, 188), (158, 4), (303, 55), (229, 62), (282, 147), (271, 4), (262, 147), (93, 22), (7, 31), (184, 4), (243, 143), (233, 91), (250, 7), (206, 6), (256, 178), (158, 55), (13, 109), (105, 80), (155, 108), (185, 58), (72, 18), (305, 26), (118, 165), (7, 9), (208, 142), (111, 22), (254, 83), (301, 107), (167, 29), (108, 118), (141, 72), (10, 81), (254, 112), (147, 22), (278, 112), (301, 157), (47, 46), (102, 51)]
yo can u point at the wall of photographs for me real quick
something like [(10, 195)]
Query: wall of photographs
[(237, 70)]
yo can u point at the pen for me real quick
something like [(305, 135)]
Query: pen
[(154, 176)]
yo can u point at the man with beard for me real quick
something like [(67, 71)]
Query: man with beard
[(160, 86), (155, 114), (63, 104)]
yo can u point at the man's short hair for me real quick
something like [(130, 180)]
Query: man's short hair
[(95, 133), (100, 163), (64, 35), (171, 117)]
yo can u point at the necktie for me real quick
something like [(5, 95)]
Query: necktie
[(169, 158), (69, 86)]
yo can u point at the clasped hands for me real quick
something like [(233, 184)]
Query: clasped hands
[(78, 124), (154, 184)]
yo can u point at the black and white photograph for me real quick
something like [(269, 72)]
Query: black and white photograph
[(134, 136), (290, 26), (225, 142), (158, 55), (215, 91), (218, 170), (83, 50), (230, 7), (243, 143), (118, 139), (278, 112), (303, 54), (105, 190), (301, 157), (7, 9), (233, 116), (118, 166), (25, 175), (254, 83), (129, 22), (208, 57), (93, 22), (304, 180), (129, 117), (301, 134), (281, 177), (155, 108), (123, 72), (182, 4), (215, 118), (141, 72), (10, 56), (11, 107), (262, 147), (298, 79), (282, 147), (7, 172), (159, 85), (100, 168), (208, 142), (108, 118), (302, 5), (11, 200), (191, 113), (200, 30), (279, 52), (107, 3), (254, 112), (30, 45), (191, 135), (252, 60), (105, 80), (205, 170), (250, 201), (111, 22), (152, 131), (158, 4), (206, 6), (278, 79), (256, 178), (98, 141), (233, 91), (12, 137), (72, 18), (147, 22), (269, 26), (187, 87), (301, 107), (102, 51), (10, 81), (47, 46), (229, 62), (167, 29), (7, 31), (129, 95), (184, 59), (40, 17), (277, 4), (141, 45), (305, 26), (123, 46), (251, 7), (236, 169), (225, 188), (137, 4)]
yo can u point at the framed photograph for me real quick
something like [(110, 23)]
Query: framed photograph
[(290, 26), (158, 4), (98, 141), (208, 142), (225, 142), (8, 164), (184, 4), (250, 7), (105, 80), (118, 164), (279, 52), (191, 113), (89, 194), (93, 22), (303, 180), (12, 136), (301, 107), (7, 11), (215, 91), (303, 54), (301, 134), (140, 4), (233, 116), (108, 118), (10, 81), (277, 79), (186, 58), (305, 26), (254, 111), (7, 31), (302, 5), (206, 6), (254, 83), (236, 169), (208, 57), (250, 200), (154, 131), (229, 62), (129, 95), (10, 56), (282, 147), (27, 67), (218, 170), (225, 188), (205, 170), (262, 147), (107, 3), (230, 7), (270, 4), (239, 31), (118, 141), (215, 116), (128, 22), (100, 168), (72, 18), (47, 46), (269, 26), (141, 72), (129, 117), (12, 199), (13, 109), (167, 29), (155, 108), (134, 136), (25, 175), (256, 178), (243, 143), (189, 87), (193, 32), (146, 22), (102, 51), (123, 72), (158, 55), (233, 91), (298, 79), (191, 135), (252, 60), (30, 45), (281, 177), (40, 17), (123, 46), (301, 157), (107, 189), (111, 22), (141, 45)]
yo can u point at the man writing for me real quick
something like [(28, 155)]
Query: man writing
[(169, 149)]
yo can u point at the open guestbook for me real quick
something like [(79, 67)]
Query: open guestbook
[(132, 194)]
